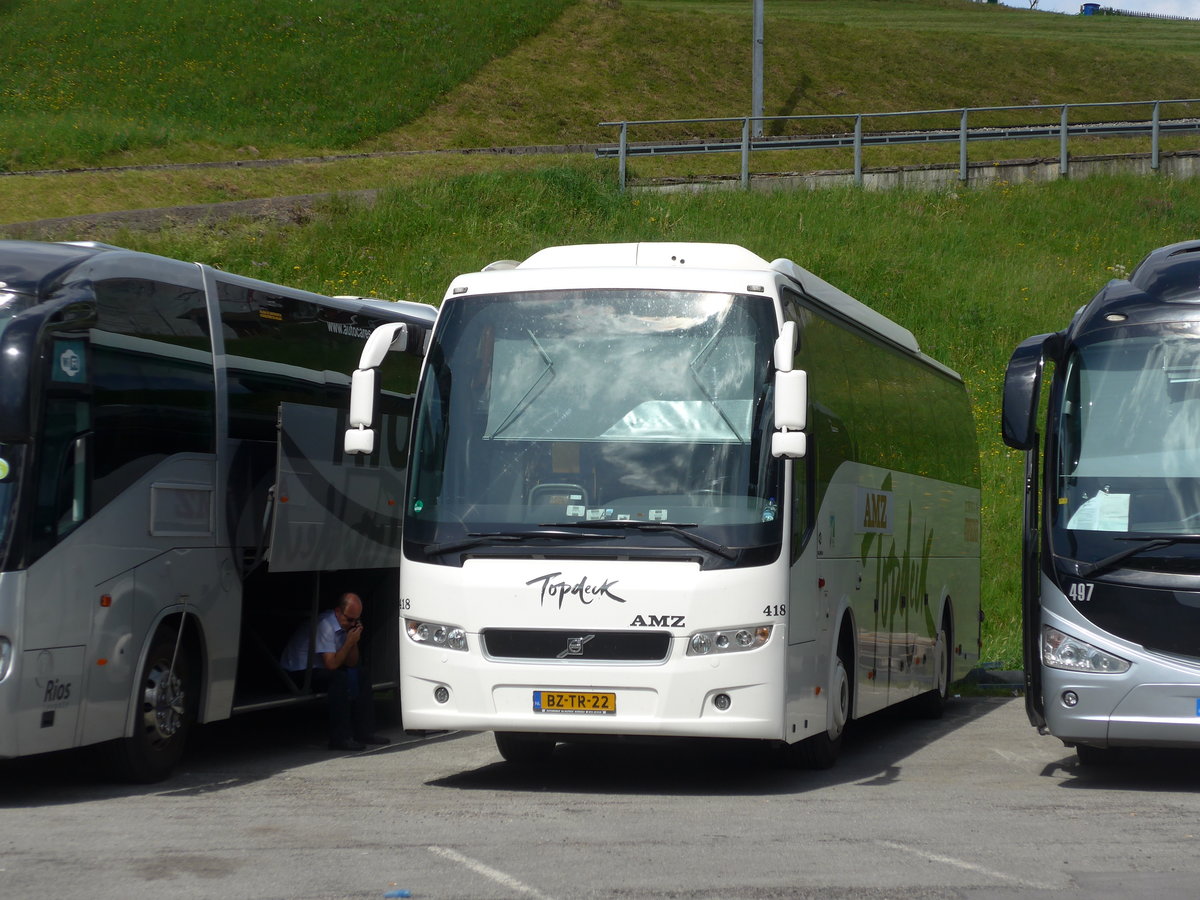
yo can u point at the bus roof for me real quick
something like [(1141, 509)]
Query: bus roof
[(38, 268), (680, 257), (35, 267)]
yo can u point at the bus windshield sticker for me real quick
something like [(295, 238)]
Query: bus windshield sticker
[(658, 515), (1104, 512)]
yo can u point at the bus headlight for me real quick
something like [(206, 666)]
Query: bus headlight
[(431, 633), (6, 656), (1061, 651), (729, 640)]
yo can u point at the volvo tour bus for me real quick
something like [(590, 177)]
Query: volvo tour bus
[(1111, 555), (174, 499), (676, 490)]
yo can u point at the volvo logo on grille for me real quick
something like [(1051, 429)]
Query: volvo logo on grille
[(575, 646)]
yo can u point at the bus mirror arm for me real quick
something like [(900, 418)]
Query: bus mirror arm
[(385, 338), (785, 347)]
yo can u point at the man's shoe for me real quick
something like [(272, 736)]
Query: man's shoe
[(347, 745), (375, 739)]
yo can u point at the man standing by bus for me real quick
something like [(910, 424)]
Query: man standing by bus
[(337, 670)]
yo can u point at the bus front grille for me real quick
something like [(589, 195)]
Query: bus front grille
[(569, 646)]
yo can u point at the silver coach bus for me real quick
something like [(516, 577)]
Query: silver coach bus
[(173, 499), (1111, 568)]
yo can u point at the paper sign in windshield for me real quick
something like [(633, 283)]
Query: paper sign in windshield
[(1104, 512)]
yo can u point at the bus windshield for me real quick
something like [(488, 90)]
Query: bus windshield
[(585, 409), (1128, 459)]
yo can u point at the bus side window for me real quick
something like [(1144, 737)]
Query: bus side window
[(152, 379), (62, 493)]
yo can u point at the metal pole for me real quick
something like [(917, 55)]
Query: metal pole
[(1154, 139), (1062, 143), (622, 154), (756, 77), (962, 148), (746, 154), (858, 176)]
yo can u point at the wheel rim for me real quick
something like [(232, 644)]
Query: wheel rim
[(841, 701), (163, 703)]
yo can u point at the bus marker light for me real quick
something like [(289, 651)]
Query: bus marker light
[(106, 601), (102, 661), (817, 691)]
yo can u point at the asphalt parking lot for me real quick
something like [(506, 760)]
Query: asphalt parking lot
[(976, 805)]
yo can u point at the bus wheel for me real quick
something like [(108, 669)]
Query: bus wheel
[(821, 750), (524, 749), (163, 719), (932, 704)]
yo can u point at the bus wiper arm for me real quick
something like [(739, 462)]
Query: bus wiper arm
[(691, 537), (475, 538), (1155, 543)]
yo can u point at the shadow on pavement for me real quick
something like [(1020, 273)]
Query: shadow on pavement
[(872, 751), (219, 756)]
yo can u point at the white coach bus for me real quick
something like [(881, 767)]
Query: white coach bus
[(174, 499), (1110, 585), (674, 489)]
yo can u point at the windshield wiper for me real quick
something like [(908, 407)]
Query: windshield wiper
[(693, 370), (676, 528), (1148, 543), (530, 395), (475, 538)]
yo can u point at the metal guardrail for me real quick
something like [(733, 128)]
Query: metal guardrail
[(1154, 126)]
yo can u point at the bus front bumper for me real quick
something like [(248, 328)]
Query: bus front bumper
[(1117, 711), (697, 697)]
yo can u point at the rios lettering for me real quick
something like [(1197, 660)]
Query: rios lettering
[(587, 593)]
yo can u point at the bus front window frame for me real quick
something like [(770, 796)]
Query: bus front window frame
[(1116, 473), (674, 431)]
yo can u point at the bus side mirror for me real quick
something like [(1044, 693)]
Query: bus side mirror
[(364, 385), (1022, 387), (360, 436), (791, 414)]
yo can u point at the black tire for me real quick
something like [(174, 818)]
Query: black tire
[(932, 704), (524, 749), (822, 750), (165, 714)]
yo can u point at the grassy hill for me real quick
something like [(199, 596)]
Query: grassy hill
[(91, 83)]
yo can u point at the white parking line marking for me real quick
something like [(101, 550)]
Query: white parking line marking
[(488, 872), (963, 864)]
